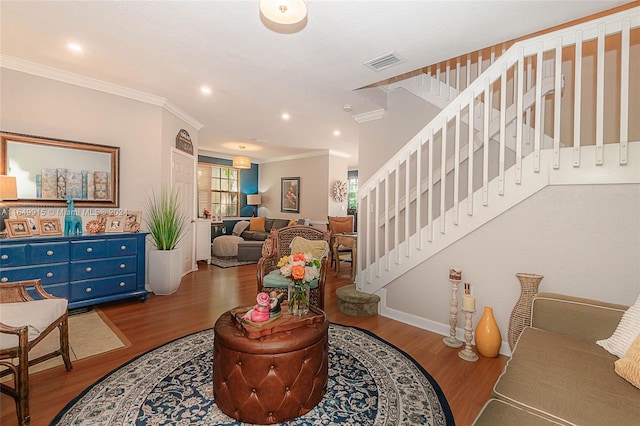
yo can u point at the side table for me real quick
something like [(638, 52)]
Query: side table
[(271, 378)]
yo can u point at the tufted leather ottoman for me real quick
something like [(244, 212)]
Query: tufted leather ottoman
[(270, 379)]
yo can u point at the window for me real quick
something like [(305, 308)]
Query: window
[(352, 197), (218, 189)]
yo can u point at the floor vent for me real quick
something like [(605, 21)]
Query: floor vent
[(385, 61)]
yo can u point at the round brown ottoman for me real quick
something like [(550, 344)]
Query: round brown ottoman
[(270, 379)]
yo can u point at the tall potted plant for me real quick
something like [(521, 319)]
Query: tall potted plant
[(167, 226)]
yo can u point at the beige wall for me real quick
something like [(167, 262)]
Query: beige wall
[(380, 139), (316, 174), (338, 171), (44, 107)]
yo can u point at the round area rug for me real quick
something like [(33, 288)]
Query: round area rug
[(371, 382)]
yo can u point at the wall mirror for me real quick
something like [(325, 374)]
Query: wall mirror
[(47, 170)]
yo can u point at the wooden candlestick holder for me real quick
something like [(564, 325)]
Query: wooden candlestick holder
[(452, 341), (467, 353)]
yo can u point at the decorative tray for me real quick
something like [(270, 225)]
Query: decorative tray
[(284, 322)]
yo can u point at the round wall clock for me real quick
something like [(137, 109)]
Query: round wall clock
[(340, 191)]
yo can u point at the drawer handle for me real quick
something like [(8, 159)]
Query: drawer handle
[(88, 289), (123, 248), (49, 274), (49, 252), (122, 266), (88, 269), (4, 279), (4, 257), (89, 249), (122, 284)]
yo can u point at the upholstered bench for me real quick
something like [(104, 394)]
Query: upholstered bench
[(273, 378), (356, 303), (249, 251)]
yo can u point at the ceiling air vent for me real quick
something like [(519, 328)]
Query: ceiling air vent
[(385, 61)]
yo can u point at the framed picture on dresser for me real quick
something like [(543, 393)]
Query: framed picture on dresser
[(49, 226), (17, 228)]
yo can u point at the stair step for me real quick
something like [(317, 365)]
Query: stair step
[(356, 303)]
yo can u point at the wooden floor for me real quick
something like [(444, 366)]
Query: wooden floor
[(203, 296)]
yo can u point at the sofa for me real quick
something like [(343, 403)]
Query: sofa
[(258, 228), (558, 374)]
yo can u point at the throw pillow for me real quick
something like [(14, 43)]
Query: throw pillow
[(240, 227), (303, 222), (257, 224), (629, 367), (628, 328), (292, 222), (317, 248)]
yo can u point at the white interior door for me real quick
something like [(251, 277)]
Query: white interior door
[(182, 179)]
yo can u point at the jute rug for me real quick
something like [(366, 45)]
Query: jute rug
[(371, 382), (90, 333)]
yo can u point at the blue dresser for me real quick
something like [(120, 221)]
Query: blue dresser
[(86, 269)]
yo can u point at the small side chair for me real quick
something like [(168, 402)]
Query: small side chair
[(24, 322), (279, 245)]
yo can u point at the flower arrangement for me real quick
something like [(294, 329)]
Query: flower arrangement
[(300, 269)]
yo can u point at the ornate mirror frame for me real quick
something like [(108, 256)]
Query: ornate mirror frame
[(34, 161)]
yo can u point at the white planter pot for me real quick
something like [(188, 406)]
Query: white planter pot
[(165, 271)]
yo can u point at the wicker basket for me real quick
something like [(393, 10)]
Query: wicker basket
[(521, 313)]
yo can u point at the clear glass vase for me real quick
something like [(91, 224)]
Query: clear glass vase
[(298, 298)]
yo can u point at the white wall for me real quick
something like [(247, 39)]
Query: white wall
[(584, 239)]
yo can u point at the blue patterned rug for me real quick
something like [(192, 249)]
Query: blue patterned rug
[(371, 382)]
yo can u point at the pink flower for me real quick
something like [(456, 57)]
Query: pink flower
[(263, 299)]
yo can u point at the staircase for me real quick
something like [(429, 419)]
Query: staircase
[(511, 131)]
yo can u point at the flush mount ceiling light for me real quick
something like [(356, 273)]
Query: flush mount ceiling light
[(75, 47), (285, 12)]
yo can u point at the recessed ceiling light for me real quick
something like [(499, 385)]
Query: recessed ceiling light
[(205, 90), (75, 47), (285, 116), (336, 133)]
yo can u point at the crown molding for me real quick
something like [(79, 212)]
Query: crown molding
[(339, 154), (370, 116), (51, 73), (309, 154)]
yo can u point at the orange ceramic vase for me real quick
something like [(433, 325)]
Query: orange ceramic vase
[(488, 338)]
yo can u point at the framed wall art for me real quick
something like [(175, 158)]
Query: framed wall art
[(17, 228), (49, 226), (290, 195)]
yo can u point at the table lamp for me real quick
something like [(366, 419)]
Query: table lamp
[(254, 200), (8, 191)]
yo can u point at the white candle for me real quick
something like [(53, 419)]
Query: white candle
[(468, 303)]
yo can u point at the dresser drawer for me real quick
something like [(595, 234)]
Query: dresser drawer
[(122, 247), (88, 269), (49, 274), (49, 252), (13, 255), (91, 289), (58, 290), (92, 249)]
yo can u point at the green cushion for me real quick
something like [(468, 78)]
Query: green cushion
[(275, 279)]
